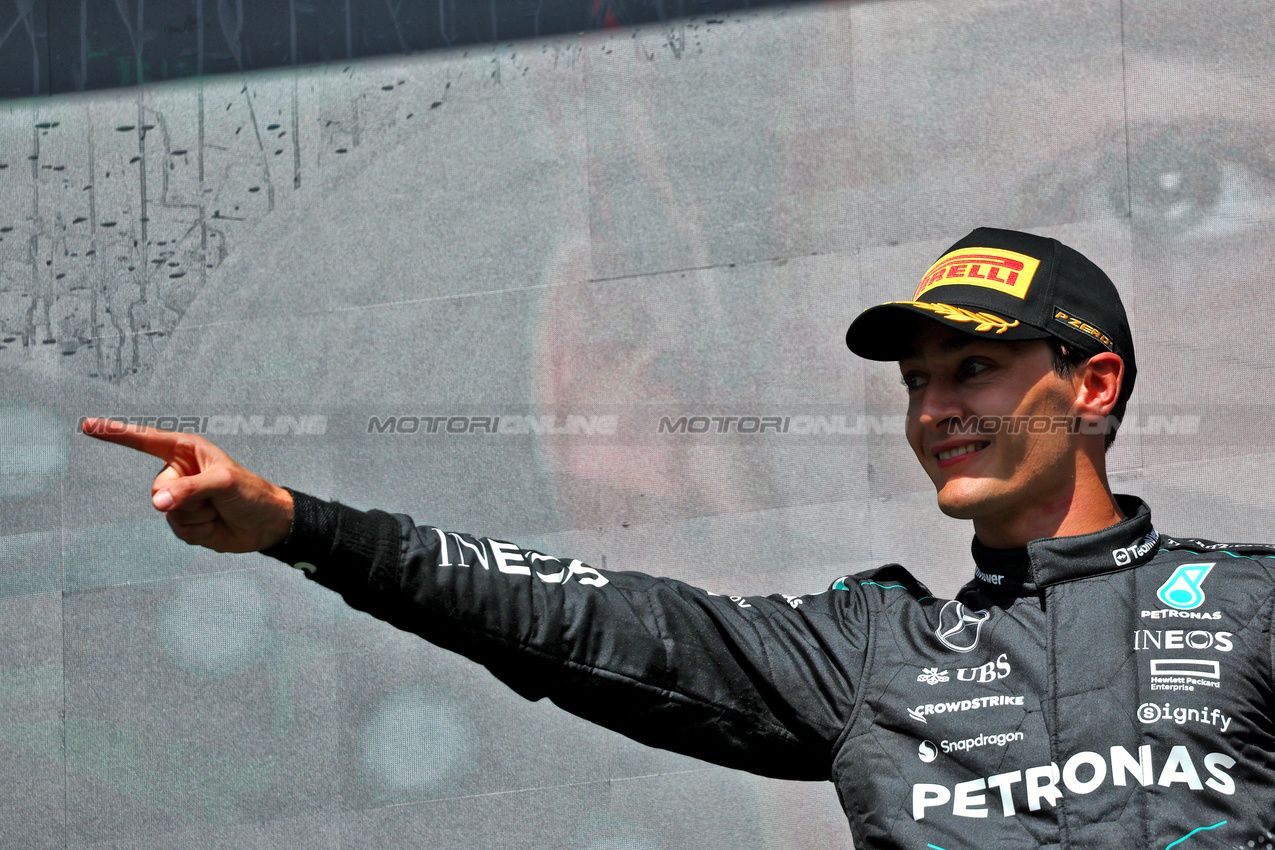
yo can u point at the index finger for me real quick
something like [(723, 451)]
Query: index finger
[(153, 441)]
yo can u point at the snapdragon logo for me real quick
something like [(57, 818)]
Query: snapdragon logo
[(1083, 773), (965, 744)]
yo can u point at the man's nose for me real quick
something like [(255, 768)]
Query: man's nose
[(939, 401)]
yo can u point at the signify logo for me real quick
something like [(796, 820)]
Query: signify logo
[(1154, 712)]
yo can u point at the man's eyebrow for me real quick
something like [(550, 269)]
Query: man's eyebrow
[(951, 343)]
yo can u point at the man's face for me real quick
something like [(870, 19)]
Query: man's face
[(954, 380)]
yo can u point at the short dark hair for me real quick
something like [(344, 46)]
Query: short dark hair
[(1066, 359)]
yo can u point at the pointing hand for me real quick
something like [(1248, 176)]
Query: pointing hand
[(207, 498)]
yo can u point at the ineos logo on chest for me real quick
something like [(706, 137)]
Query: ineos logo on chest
[(959, 627)]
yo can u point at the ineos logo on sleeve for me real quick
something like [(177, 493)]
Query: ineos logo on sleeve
[(955, 622)]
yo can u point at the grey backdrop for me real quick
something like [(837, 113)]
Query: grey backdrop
[(582, 237)]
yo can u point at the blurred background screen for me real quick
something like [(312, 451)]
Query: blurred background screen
[(544, 270)]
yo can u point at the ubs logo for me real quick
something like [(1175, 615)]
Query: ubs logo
[(959, 627)]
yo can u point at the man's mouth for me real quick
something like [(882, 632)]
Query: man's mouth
[(961, 451)]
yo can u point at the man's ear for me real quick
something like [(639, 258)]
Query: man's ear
[(1097, 384)]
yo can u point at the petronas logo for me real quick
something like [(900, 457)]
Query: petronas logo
[(1182, 590)]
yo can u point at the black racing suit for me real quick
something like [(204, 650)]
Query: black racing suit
[(1109, 690)]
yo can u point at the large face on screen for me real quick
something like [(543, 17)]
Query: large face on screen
[(1142, 142)]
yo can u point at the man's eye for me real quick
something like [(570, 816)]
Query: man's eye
[(912, 382), (1214, 185), (971, 368), (1179, 186)]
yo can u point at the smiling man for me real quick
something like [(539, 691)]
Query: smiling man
[(1012, 433), (1096, 685)]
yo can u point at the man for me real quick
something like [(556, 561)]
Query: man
[(1097, 684)]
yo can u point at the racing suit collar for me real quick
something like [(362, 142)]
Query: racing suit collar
[(1050, 560)]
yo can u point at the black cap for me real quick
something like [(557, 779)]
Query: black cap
[(1007, 285)]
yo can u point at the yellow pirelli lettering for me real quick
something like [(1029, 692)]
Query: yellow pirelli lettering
[(992, 268)]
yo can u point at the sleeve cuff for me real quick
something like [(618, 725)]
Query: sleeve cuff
[(329, 536)]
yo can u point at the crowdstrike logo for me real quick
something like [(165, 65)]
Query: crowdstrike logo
[(960, 627), (1182, 590), (922, 711)]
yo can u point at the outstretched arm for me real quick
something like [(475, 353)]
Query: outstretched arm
[(765, 684), (761, 683)]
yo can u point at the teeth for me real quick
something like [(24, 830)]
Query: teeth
[(961, 450)]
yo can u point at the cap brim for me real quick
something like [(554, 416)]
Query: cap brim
[(881, 332)]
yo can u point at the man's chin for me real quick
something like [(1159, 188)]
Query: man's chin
[(963, 502)]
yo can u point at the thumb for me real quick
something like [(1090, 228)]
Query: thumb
[(160, 495), (189, 489)]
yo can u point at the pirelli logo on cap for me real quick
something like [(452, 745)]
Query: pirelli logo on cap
[(1004, 271)]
